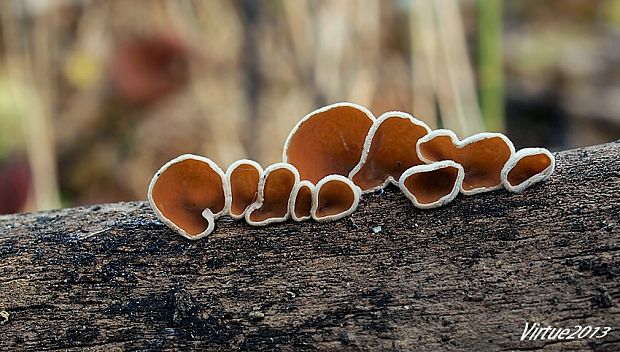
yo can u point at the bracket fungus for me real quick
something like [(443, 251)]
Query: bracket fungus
[(334, 197), (274, 195), (301, 201), (345, 152), (389, 150), (243, 177), (482, 156), (188, 193), (433, 185), (328, 141), (527, 167)]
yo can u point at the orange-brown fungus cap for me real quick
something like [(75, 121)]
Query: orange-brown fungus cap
[(183, 188), (527, 167), (431, 186), (389, 150), (335, 197), (302, 201), (274, 194), (328, 141), (482, 156), (243, 177)]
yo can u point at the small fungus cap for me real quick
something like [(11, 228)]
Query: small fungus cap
[(301, 201), (243, 177), (433, 185), (334, 197), (328, 141), (482, 156), (183, 189), (389, 150), (273, 201), (526, 168)]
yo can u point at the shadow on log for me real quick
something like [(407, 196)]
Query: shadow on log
[(465, 276)]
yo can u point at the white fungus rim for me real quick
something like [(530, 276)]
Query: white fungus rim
[(315, 198), (207, 213), (512, 162), (291, 134), (229, 172), (261, 195), (304, 183), (368, 143), (463, 143), (432, 167)]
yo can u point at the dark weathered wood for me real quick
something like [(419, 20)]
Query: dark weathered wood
[(465, 276)]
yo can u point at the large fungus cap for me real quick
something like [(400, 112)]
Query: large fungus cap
[(188, 193), (301, 201), (328, 141), (274, 195), (482, 156), (243, 177), (433, 185), (527, 167), (334, 197), (389, 149)]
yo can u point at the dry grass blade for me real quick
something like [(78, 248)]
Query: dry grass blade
[(30, 65), (464, 115), (423, 60)]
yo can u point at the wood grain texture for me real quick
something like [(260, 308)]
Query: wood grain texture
[(465, 276)]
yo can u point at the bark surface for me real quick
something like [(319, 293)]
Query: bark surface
[(465, 276)]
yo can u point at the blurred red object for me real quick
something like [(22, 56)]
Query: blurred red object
[(146, 69), (14, 184)]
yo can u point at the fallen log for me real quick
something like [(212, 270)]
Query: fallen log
[(465, 276)]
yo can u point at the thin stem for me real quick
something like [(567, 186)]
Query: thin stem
[(490, 63)]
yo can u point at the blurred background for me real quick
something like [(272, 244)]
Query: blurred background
[(96, 95)]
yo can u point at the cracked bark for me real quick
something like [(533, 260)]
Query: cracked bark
[(465, 276)]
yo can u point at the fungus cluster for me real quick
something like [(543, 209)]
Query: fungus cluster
[(330, 159)]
